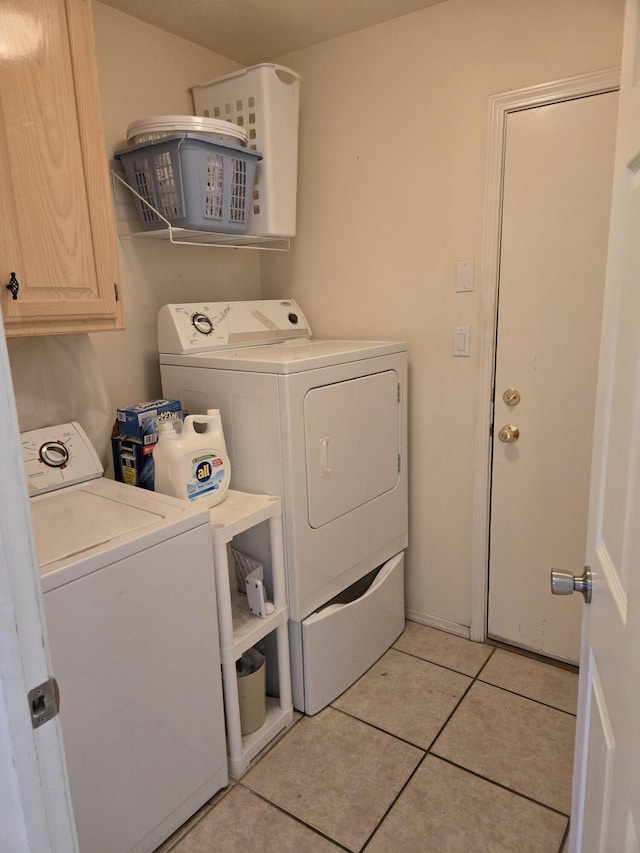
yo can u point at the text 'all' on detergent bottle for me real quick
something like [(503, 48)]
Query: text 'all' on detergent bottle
[(191, 463)]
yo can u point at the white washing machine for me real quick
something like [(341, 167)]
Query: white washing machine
[(323, 424), (130, 607)]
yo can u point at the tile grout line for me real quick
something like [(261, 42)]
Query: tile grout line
[(393, 802), (477, 679), (428, 750), (523, 696), (294, 817), (500, 785), (490, 683)]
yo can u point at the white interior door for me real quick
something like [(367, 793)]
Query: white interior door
[(35, 804), (606, 791), (556, 202)]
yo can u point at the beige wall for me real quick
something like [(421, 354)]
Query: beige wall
[(145, 71), (391, 193)]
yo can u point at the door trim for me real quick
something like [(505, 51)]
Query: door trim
[(500, 106)]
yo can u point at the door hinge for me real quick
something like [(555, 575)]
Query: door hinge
[(117, 291), (398, 463), (44, 702), (398, 392)]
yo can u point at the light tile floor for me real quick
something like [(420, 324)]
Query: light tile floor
[(443, 745)]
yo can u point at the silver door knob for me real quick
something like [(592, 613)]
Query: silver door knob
[(509, 433), (564, 583)]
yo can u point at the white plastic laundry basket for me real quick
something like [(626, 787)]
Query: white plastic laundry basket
[(265, 100)]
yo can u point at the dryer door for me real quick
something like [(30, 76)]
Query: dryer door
[(351, 444)]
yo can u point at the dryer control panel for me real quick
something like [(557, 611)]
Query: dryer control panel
[(203, 327), (58, 456)]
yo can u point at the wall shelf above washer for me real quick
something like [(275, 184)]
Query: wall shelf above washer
[(129, 226)]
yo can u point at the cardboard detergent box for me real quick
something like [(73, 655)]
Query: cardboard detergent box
[(140, 421), (132, 460)]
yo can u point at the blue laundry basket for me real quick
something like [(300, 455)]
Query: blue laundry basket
[(191, 181)]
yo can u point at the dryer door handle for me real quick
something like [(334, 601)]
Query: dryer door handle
[(325, 466)]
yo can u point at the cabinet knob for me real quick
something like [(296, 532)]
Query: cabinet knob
[(13, 286)]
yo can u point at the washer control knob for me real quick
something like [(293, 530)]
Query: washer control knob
[(54, 454), (202, 324), (293, 318)]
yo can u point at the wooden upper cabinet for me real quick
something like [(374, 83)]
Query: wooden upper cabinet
[(57, 227)]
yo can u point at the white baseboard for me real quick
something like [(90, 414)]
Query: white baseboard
[(440, 624)]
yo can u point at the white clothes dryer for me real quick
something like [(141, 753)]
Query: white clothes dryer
[(130, 609), (323, 424)]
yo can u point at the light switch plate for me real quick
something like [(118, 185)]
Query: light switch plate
[(461, 341)]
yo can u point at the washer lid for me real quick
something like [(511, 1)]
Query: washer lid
[(82, 528), (74, 521), (288, 357)]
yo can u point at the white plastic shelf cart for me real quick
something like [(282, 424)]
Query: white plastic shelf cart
[(240, 629)]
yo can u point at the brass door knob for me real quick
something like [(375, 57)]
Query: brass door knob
[(509, 433)]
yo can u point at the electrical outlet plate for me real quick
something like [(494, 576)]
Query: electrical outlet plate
[(464, 276)]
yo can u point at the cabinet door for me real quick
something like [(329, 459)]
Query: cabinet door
[(57, 229)]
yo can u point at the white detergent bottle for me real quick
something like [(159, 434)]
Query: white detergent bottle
[(190, 459)]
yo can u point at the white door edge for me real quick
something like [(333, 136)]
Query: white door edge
[(500, 106), (35, 808)]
